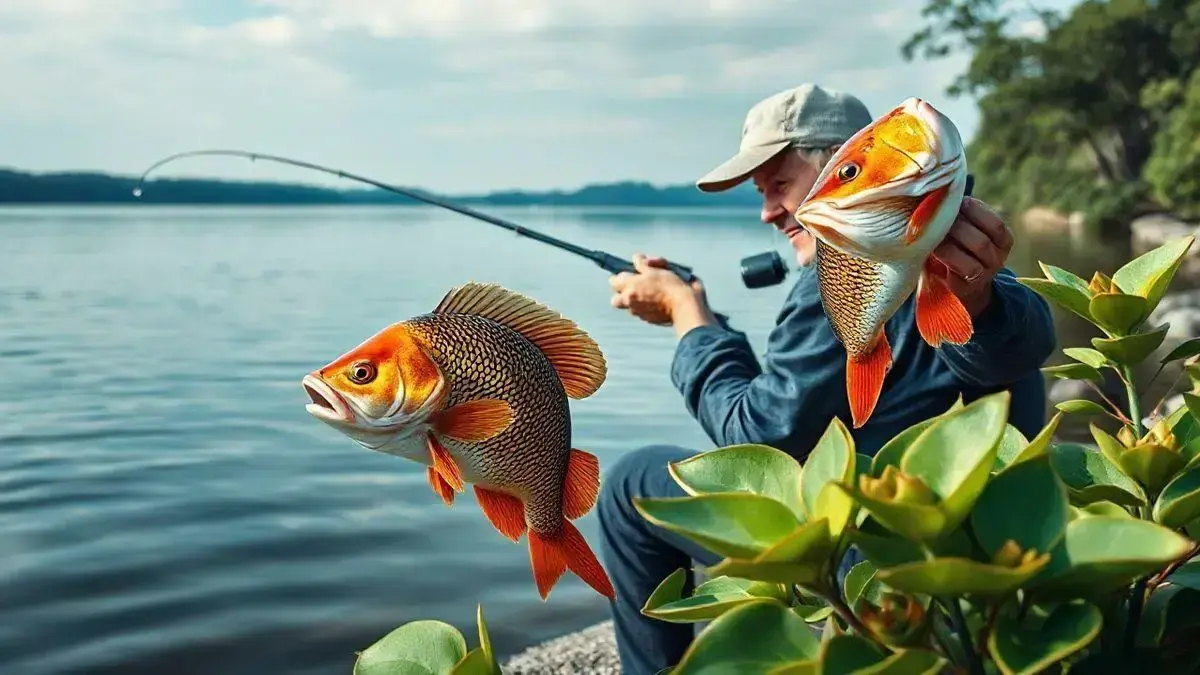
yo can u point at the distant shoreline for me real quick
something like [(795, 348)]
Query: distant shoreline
[(69, 188)]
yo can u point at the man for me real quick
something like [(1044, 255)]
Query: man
[(789, 400)]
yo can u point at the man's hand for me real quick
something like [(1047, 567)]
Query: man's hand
[(658, 296), (975, 250)]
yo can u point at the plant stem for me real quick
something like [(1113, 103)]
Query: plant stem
[(1118, 413), (964, 634), (1135, 407), (1135, 614), (839, 606)]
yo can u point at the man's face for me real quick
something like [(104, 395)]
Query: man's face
[(783, 183)]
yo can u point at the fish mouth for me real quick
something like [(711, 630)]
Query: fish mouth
[(326, 404)]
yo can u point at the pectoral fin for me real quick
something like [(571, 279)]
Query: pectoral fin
[(941, 316), (440, 487), (924, 213), (474, 421), (443, 464)]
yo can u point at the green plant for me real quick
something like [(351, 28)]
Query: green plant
[(427, 646), (984, 551)]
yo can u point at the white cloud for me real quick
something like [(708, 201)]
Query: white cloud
[(463, 95)]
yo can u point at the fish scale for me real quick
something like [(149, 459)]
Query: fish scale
[(482, 358), (849, 290)]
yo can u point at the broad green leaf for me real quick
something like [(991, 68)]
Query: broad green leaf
[(832, 460), (1131, 349), (416, 648), (1118, 313), (1187, 575), (1027, 504), (1061, 276), (1184, 350), (709, 600), (813, 613), (1090, 477), (1087, 356), (1151, 465), (1067, 297), (474, 663), (1184, 422), (959, 576), (892, 451), (1170, 610), (1024, 650), (1012, 443), (1081, 406), (916, 522), (1149, 274), (955, 455), (1074, 371), (847, 654), (811, 542), (1179, 502), (1040, 443), (758, 469), (1102, 554), (768, 571), (1110, 447), (857, 581), (885, 549), (736, 524), (1101, 509), (905, 662), (752, 638)]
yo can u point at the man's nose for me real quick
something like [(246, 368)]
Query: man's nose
[(771, 213)]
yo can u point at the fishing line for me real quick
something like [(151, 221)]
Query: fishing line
[(607, 261)]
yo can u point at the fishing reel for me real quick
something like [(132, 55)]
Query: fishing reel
[(768, 269)]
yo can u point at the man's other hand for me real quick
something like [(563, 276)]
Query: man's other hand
[(975, 250)]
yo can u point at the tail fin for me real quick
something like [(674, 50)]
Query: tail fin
[(941, 316), (551, 556), (864, 379)]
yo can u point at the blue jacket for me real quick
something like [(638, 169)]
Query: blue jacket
[(789, 400)]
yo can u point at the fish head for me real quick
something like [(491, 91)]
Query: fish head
[(893, 189), (383, 388)]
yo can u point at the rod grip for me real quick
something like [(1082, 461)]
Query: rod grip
[(615, 265)]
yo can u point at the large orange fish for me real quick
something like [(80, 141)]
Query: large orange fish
[(877, 210), (477, 390)]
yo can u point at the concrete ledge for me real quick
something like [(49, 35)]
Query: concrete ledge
[(592, 650)]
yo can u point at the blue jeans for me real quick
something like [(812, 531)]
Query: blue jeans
[(639, 555)]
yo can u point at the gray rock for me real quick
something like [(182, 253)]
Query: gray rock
[(591, 650), (1154, 230), (1182, 310)]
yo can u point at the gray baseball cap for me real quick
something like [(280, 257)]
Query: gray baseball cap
[(807, 116)]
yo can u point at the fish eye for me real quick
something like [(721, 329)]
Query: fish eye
[(848, 171), (362, 372)]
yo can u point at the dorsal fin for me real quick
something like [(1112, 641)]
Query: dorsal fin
[(575, 356)]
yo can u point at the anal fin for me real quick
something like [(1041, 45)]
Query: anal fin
[(864, 379), (582, 484), (440, 487), (443, 464), (941, 316), (505, 512)]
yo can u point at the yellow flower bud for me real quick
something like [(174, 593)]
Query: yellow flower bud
[(897, 620), (895, 486), (1102, 283)]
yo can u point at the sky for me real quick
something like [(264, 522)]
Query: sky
[(458, 96)]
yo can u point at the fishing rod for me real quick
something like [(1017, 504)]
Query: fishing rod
[(607, 261)]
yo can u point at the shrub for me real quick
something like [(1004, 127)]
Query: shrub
[(984, 551)]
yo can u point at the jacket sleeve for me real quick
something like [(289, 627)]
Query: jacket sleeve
[(738, 400), (1012, 337)]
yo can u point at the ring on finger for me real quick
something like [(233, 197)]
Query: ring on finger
[(973, 278)]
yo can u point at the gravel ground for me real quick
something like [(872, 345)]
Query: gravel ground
[(592, 650)]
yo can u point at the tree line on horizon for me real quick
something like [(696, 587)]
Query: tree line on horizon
[(18, 187)]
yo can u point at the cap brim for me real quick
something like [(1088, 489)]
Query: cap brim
[(739, 167)]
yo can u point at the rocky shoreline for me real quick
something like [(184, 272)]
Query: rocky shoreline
[(592, 650)]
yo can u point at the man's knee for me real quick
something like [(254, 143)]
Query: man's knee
[(639, 473)]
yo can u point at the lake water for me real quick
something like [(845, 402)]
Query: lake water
[(167, 505)]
